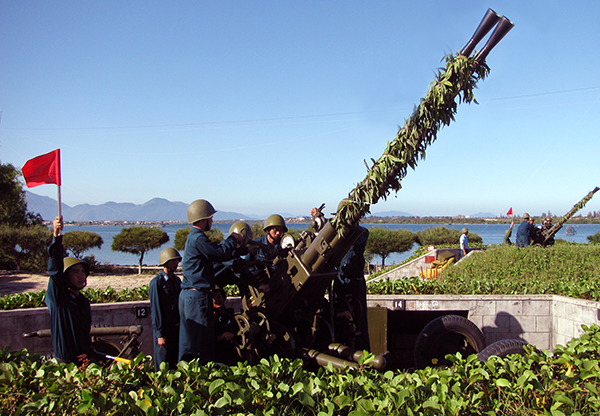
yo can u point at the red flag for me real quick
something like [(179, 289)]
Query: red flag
[(509, 213), (42, 169)]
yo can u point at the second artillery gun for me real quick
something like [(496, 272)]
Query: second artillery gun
[(295, 318), (545, 236)]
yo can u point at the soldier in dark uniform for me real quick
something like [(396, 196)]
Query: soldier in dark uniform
[(524, 232), (351, 282), (275, 228), (70, 311), (196, 330), (225, 329), (164, 299), (508, 233)]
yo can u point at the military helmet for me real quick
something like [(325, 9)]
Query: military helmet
[(69, 262), (526, 216), (167, 254), (242, 229), (275, 220), (465, 230), (200, 209)]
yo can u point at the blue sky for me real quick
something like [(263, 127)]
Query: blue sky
[(264, 107)]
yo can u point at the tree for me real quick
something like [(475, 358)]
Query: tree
[(383, 242), (257, 230), (181, 236), (139, 240), (22, 238), (24, 247), (79, 241), (13, 204), (594, 239)]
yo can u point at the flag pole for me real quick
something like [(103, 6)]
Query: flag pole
[(59, 207), (59, 202)]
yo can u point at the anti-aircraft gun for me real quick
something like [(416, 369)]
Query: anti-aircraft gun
[(291, 318), (545, 236)]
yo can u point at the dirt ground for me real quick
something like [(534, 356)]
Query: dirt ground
[(14, 282)]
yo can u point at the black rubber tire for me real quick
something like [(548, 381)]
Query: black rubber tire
[(503, 348), (445, 335)]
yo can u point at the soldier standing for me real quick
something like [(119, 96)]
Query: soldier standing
[(70, 311), (524, 232), (351, 282), (225, 329), (275, 228), (464, 242), (164, 298), (196, 331), (508, 233)]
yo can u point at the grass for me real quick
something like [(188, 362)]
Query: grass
[(564, 269)]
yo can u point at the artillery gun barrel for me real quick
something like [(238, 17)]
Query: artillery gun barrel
[(351, 354), (548, 234), (300, 280), (323, 359), (487, 23), (455, 83), (134, 330)]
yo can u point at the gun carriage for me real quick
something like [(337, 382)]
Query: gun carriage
[(295, 317), (118, 343)]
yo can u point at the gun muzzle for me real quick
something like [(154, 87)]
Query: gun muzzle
[(487, 23), (499, 32)]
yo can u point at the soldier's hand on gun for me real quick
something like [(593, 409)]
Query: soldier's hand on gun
[(162, 342), (238, 237), (226, 336), (252, 247), (57, 226)]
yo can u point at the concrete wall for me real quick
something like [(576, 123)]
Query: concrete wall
[(14, 323), (542, 320)]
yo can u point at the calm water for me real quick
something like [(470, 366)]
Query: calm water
[(490, 233)]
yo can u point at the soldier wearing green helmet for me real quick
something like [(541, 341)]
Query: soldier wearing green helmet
[(70, 311), (196, 329), (524, 232), (164, 292), (275, 228)]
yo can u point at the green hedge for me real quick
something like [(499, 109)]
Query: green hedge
[(539, 383)]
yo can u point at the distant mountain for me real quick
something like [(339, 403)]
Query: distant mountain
[(157, 209), (391, 214), (483, 215)]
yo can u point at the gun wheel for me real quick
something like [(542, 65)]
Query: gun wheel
[(253, 335)]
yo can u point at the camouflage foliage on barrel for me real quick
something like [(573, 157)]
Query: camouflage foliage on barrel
[(453, 84)]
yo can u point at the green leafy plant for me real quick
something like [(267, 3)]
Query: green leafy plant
[(565, 382)]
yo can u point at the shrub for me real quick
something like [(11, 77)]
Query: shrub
[(437, 236)]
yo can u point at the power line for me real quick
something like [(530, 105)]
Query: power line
[(544, 93), (271, 119)]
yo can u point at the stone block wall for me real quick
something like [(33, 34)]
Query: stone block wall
[(542, 320)]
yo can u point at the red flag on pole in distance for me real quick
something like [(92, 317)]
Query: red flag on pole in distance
[(42, 169), (509, 213)]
